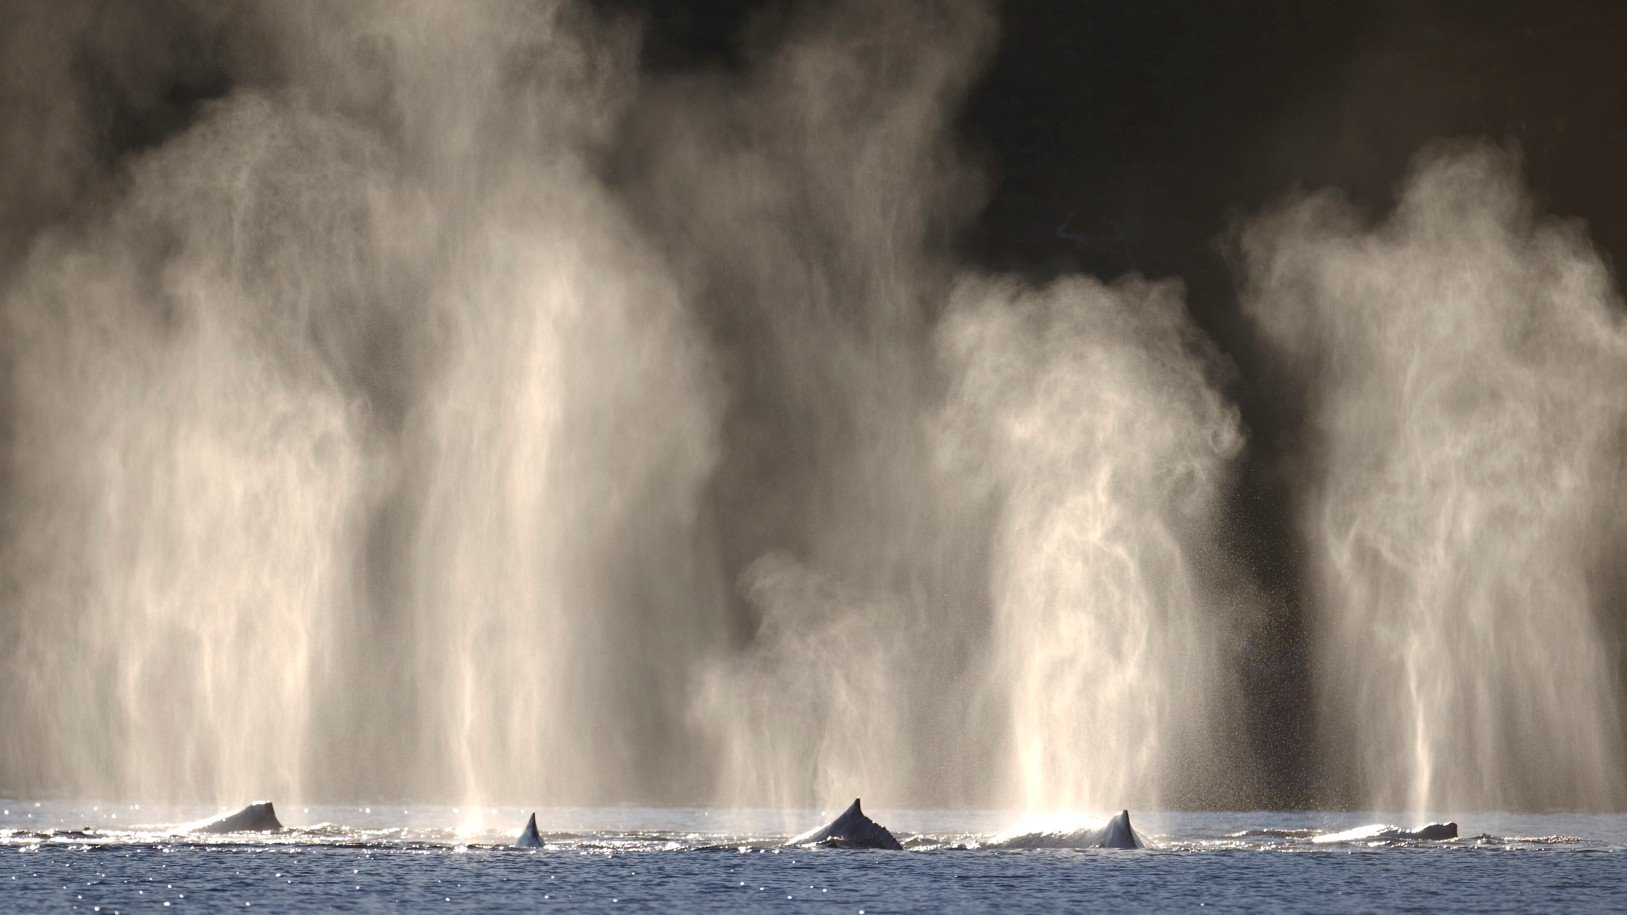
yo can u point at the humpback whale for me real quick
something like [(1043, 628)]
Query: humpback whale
[(259, 817), (850, 830), (1435, 832), (529, 838), (1115, 833), (1378, 832)]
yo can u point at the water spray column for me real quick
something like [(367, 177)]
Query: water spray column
[(1084, 413), (1465, 365)]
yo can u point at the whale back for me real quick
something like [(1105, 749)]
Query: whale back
[(1115, 833), (1119, 834), (529, 837), (1437, 832), (1378, 832), (258, 817), (850, 830)]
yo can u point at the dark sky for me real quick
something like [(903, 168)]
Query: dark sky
[(1154, 123), (1166, 117), (1145, 129)]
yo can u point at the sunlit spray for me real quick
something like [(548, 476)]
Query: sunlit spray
[(443, 413), (1465, 363), (1085, 415)]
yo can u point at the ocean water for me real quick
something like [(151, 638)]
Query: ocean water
[(85, 857)]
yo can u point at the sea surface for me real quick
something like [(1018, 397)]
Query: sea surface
[(59, 856)]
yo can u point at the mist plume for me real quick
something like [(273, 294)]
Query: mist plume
[(1462, 363)]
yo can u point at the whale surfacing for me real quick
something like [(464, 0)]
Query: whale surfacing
[(1378, 832), (258, 817), (1435, 832), (1115, 833), (529, 837), (850, 830), (1118, 834)]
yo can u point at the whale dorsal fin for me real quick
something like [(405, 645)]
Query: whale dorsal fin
[(257, 817), (529, 837), (851, 816), (853, 830), (1119, 834)]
